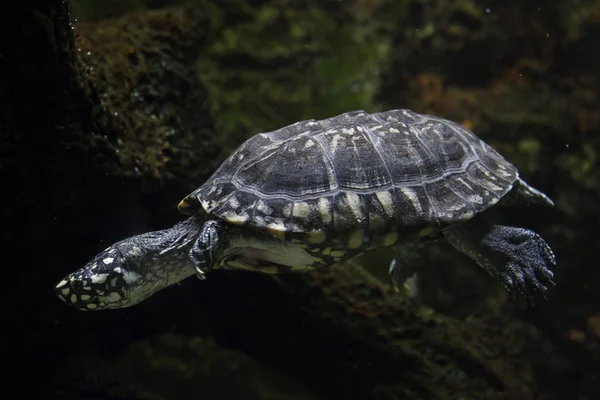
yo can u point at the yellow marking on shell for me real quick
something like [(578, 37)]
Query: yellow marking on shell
[(287, 209), (356, 239), (301, 209), (461, 180), (385, 198), (428, 230), (233, 202), (236, 219), (326, 251), (275, 232), (297, 241), (390, 239), (337, 253), (468, 215), (354, 203), (263, 208), (316, 237), (325, 209), (413, 198)]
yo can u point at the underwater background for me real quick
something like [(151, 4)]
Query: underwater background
[(113, 111)]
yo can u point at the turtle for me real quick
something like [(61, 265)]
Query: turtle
[(320, 192)]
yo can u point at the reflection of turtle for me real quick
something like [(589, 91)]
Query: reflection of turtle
[(318, 192)]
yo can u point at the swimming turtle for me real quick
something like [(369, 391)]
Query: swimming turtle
[(319, 192)]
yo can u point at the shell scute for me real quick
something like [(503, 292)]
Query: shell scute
[(357, 171)]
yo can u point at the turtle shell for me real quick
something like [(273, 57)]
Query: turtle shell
[(356, 171)]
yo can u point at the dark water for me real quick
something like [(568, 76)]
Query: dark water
[(109, 121)]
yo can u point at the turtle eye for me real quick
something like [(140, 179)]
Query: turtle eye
[(77, 286)]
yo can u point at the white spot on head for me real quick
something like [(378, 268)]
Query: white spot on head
[(349, 131), (99, 278), (91, 306), (61, 284), (65, 291), (85, 297), (108, 260), (113, 296), (393, 130)]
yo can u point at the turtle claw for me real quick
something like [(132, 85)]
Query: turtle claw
[(199, 262), (200, 274), (518, 258), (528, 270)]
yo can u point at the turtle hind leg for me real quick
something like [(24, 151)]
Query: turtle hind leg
[(519, 258), (207, 248)]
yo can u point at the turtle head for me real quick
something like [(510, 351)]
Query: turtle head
[(107, 281), (127, 272)]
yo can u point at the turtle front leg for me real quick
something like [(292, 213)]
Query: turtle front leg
[(207, 249), (519, 258)]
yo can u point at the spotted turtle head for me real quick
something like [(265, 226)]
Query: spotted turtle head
[(107, 281)]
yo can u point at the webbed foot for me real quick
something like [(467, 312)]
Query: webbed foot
[(518, 258)]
